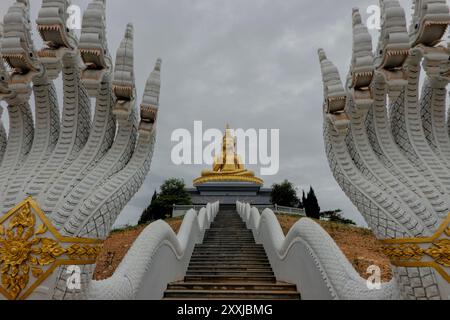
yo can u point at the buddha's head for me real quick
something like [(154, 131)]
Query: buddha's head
[(229, 141)]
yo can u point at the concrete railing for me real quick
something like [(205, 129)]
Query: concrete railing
[(181, 210), (288, 210), (309, 258), (157, 258)]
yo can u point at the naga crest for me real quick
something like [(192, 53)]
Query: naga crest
[(65, 176), (388, 144)]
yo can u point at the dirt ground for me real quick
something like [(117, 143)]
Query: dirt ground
[(359, 245)]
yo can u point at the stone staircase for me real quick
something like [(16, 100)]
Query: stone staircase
[(229, 265)]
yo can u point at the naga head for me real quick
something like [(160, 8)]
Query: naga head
[(150, 101), (52, 24), (361, 68), (17, 49), (335, 96), (124, 84), (430, 22), (393, 46), (4, 76), (93, 46)]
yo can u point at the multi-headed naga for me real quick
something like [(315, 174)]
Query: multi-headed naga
[(64, 178), (388, 145)]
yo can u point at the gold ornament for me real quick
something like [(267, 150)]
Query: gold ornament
[(431, 252), (404, 252), (31, 249)]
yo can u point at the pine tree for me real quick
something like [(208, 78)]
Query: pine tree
[(312, 208), (305, 201), (148, 214), (300, 204), (155, 196)]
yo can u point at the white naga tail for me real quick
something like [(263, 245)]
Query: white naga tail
[(389, 146), (65, 178), (308, 257)]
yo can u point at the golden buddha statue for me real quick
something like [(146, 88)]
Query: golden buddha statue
[(228, 166)]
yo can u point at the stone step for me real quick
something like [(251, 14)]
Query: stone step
[(230, 265), (231, 258), (240, 295), (225, 269), (229, 247), (242, 264), (229, 236), (215, 260), (223, 256), (235, 226), (221, 226), (229, 254), (229, 278), (232, 286), (229, 230), (228, 242), (228, 233), (230, 250), (231, 273)]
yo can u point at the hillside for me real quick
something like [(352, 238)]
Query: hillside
[(359, 245)]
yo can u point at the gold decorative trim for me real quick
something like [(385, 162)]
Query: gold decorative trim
[(31, 249), (432, 252), (229, 178)]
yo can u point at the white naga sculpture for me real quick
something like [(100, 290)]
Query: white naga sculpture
[(388, 145), (65, 178)]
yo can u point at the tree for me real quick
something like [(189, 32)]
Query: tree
[(284, 194), (312, 208), (173, 192), (304, 200), (300, 204), (336, 216), (148, 213)]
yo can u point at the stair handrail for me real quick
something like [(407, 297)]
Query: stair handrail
[(157, 258), (309, 258)]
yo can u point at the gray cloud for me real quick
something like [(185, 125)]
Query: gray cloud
[(250, 63)]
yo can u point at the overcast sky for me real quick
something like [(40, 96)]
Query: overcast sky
[(252, 64)]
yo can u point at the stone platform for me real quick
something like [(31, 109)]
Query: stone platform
[(230, 192)]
